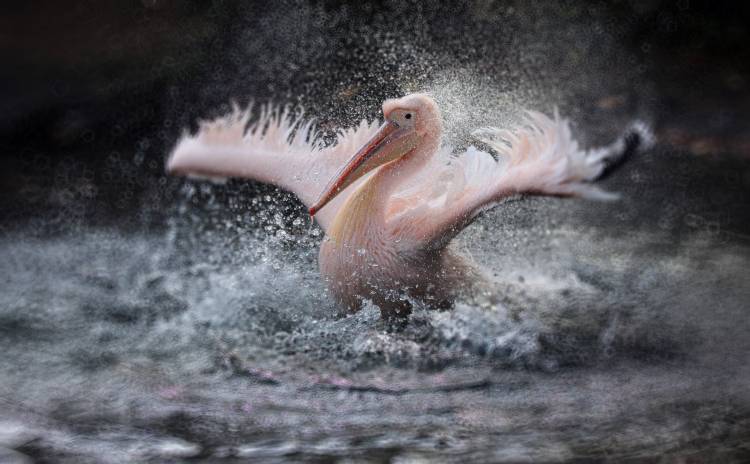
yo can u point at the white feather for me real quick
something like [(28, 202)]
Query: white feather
[(280, 147)]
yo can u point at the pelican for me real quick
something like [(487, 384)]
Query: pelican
[(390, 198)]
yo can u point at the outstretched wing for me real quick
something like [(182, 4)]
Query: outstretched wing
[(280, 148), (539, 157)]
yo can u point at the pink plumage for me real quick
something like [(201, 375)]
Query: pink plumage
[(396, 195)]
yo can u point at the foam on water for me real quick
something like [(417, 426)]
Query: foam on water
[(621, 332), (207, 338)]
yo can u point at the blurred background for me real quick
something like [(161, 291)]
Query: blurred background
[(147, 318), (95, 94)]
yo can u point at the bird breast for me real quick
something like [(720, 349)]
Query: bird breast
[(358, 257)]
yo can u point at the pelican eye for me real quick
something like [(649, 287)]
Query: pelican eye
[(407, 115)]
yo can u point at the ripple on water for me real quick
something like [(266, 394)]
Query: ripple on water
[(117, 346)]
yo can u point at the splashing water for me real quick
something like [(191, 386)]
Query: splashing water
[(622, 331), (213, 341)]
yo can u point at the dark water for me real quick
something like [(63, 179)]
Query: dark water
[(616, 341), (151, 319)]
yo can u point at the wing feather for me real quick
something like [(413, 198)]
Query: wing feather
[(281, 147), (540, 156)]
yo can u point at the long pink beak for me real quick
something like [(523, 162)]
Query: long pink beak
[(367, 158)]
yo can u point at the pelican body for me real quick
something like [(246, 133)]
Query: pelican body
[(391, 198)]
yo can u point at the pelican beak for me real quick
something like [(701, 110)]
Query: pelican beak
[(390, 142)]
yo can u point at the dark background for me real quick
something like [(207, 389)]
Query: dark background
[(94, 94), (145, 317)]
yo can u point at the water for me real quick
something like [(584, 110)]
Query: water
[(148, 319), (205, 341)]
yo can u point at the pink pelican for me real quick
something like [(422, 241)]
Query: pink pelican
[(391, 198)]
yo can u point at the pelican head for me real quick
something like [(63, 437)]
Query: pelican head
[(410, 122)]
